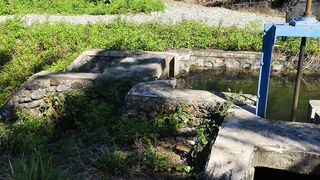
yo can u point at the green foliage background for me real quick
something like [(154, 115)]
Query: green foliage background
[(69, 7)]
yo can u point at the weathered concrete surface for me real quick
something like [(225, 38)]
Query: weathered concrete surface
[(313, 108), (246, 141), (116, 64), (149, 97)]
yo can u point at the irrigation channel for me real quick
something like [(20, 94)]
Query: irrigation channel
[(281, 89)]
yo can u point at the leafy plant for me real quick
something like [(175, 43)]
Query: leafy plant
[(113, 162), (54, 107), (170, 123), (156, 160)]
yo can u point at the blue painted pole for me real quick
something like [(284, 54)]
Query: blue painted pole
[(269, 39)]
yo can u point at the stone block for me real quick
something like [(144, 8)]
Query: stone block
[(62, 88), (162, 95), (37, 94), (54, 82)]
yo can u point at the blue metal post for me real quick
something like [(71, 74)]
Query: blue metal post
[(265, 70), (302, 27)]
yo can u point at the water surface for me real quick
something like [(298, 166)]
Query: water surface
[(280, 91)]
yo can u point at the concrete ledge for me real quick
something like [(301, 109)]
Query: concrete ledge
[(246, 141), (149, 97)]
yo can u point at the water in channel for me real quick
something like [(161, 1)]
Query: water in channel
[(280, 91)]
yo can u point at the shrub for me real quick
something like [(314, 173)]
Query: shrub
[(112, 162), (31, 132), (130, 128), (97, 114)]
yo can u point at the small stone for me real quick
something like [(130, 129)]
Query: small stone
[(24, 100), (32, 86), (54, 82), (183, 148), (191, 142), (51, 89), (77, 85), (24, 93), (33, 104), (219, 62), (37, 94), (62, 88)]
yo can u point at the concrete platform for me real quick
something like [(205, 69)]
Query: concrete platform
[(246, 141)]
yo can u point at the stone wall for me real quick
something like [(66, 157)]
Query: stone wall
[(210, 59), (91, 66), (30, 98)]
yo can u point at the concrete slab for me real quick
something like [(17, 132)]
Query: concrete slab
[(314, 107), (126, 63), (246, 141)]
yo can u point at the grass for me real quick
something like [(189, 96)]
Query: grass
[(69, 7), (27, 50), (37, 166)]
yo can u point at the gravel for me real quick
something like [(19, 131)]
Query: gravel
[(175, 12)]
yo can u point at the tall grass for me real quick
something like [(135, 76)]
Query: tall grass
[(37, 166)]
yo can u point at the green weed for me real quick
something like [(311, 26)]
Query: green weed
[(37, 166), (112, 162), (170, 123), (156, 160)]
